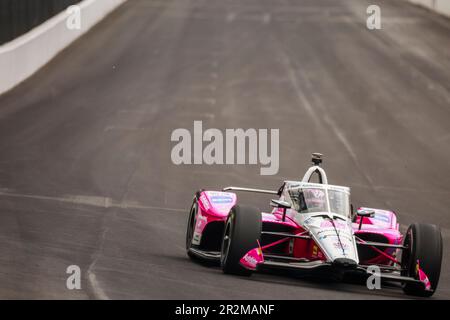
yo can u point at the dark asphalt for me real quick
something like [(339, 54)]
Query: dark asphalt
[(85, 170)]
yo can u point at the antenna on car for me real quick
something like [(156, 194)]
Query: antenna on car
[(317, 158)]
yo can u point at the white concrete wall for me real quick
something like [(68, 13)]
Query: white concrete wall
[(440, 6), (22, 57), (443, 6)]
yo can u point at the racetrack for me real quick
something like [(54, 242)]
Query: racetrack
[(86, 176)]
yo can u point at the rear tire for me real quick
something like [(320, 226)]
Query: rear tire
[(424, 242), (241, 234)]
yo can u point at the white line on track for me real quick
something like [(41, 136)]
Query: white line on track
[(298, 91), (95, 201)]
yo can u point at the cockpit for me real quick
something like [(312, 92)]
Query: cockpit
[(314, 198)]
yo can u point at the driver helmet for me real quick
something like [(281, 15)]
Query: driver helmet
[(315, 198)]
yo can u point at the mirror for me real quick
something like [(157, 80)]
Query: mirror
[(280, 204), (365, 213)]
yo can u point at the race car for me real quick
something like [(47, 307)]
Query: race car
[(313, 228)]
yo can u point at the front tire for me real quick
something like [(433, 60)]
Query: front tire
[(242, 233), (424, 242), (191, 227)]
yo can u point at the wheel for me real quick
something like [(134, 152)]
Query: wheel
[(424, 244), (242, 231), (190, 228)]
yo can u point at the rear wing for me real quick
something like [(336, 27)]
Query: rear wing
[(316, 159)]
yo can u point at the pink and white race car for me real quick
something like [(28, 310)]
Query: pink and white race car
[(313, 227)]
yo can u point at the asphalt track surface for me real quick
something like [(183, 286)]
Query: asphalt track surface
[(85, 171)]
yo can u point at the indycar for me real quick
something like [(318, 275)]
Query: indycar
[(312, 227)]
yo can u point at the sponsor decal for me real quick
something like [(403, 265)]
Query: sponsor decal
[(381, 217), (221, 199), (204, 202), (322, 234), (337, 245), (423, 277), (252, 261), (196, 238), (199, 226), (291, 246), (315, 250), (329, 224)]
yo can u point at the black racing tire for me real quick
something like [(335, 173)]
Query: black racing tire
[(241, 234), (190, 228), (424, 244)]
